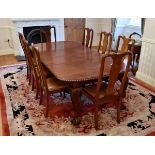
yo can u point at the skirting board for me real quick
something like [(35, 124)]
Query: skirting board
[(145, 78), (6, 52), (20, 58)]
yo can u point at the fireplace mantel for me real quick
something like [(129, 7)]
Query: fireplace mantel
[(33, 19), (19, 23)]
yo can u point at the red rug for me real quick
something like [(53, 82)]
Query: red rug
[(22, 115)]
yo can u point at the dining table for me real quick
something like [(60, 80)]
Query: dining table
[(75, 64)]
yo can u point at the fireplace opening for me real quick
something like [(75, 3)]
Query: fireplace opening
[(33, 34)]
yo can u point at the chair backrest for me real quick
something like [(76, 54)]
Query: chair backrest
[(54, 30), (21, 39), (88, 37), (39, 67), (30, 56), (116, 67), (49, 30), (135, 35), (107, 42), (123, 46), (37, 32)]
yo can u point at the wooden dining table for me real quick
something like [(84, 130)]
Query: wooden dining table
[(74, 64)]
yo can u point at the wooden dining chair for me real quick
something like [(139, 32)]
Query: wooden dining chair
[(49, 31), (88, 37), (102, 92), (105, 42), (49, 85), (31, 37), (123, 43), (21, 39), (34, 73), (137, 46)]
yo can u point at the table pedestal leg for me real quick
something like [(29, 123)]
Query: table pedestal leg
[(76, 101)]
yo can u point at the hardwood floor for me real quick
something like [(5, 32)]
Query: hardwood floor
[(9, 60)]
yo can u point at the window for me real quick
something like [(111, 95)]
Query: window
[(135, 21), (128, 22)]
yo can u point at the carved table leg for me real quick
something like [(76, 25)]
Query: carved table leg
[(75, 97)]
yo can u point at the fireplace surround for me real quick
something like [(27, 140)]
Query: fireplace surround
[(20, 23)]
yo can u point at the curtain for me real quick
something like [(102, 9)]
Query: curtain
[(142, 25), (113, 26)]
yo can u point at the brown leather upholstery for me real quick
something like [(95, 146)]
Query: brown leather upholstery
[(54, 84)]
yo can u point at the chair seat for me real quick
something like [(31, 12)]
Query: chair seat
[(47, 73), (91, 91), (54, 84)]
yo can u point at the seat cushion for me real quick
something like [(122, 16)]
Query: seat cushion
[(55, 85), (91, 90)]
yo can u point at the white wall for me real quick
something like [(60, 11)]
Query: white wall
[(5, 34), (98, 25), (8, 31), (146, 70)]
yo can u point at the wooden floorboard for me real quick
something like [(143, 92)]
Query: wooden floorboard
[(9, 60)]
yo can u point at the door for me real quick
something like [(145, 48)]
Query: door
[(74, 28)]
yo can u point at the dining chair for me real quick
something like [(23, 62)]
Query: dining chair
[(50, 30), (105, 42), (88, 37), (123, 43), (135, 35), (102, 91), (49, 85), (21, 39), (137, 45), (32, 36), (34, 73), (44, 34)]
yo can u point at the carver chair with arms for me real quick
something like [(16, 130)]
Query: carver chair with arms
[(44, 35), (137, 46)]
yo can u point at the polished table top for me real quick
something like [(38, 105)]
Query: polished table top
[(71, 61)]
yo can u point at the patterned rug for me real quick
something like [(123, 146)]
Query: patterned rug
[(22, 115)]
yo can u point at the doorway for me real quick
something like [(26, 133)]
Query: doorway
[(73, 28)]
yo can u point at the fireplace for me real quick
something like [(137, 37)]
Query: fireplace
[(32, 34), (29, 23)]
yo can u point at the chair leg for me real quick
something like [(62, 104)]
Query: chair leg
[(33, 81), (41, 95), (133, 61), (27, 73), (37, 89), (96, 117), (30, 77), (47, 104), (118, 110)]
